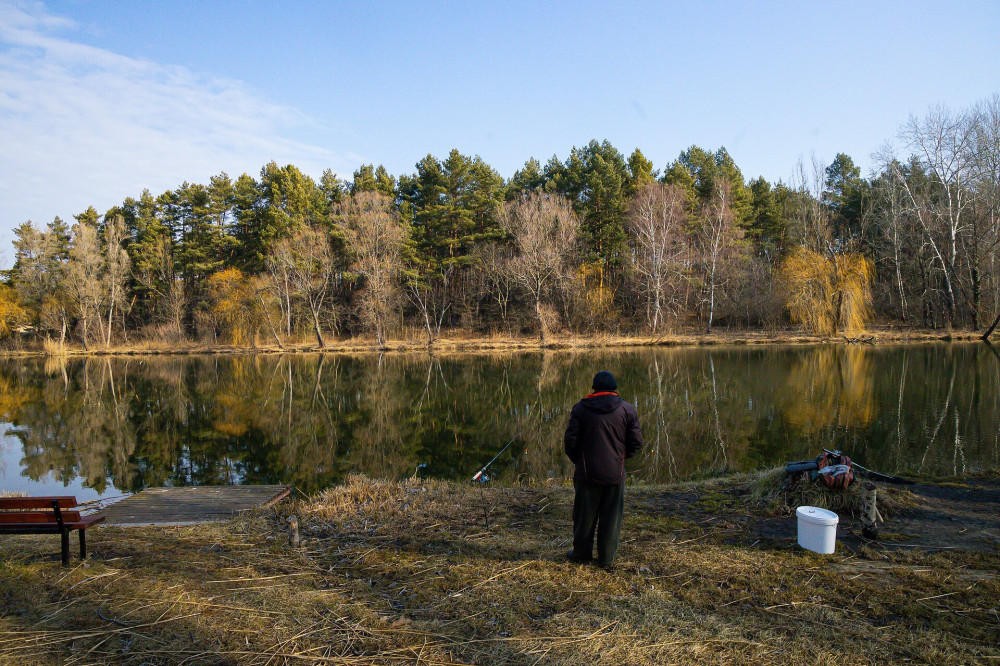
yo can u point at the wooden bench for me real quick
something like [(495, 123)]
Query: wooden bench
[(46, 515)]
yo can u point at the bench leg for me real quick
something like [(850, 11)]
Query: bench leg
[(65, 547), (83, 544)]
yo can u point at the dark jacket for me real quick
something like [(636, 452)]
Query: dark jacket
[(603, 431)]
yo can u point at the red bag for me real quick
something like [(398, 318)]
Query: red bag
[(835, 472)]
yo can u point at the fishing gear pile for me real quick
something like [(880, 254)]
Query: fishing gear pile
[(837, 471)]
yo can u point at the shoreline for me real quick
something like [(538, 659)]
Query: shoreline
[(446, 573), (493, 344)]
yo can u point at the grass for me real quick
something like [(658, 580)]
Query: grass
[(410, 573)]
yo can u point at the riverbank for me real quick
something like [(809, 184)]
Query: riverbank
[(442, 573), (463, 343)]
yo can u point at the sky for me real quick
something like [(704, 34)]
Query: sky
[(99, 100)]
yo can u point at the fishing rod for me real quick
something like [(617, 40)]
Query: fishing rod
[(479, 474), (872, 473), (482, 479)]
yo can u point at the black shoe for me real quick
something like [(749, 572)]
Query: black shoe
[(609, 566), (573, 557)]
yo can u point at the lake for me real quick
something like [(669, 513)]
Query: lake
[(101, 426)]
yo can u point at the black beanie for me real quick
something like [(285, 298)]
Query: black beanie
[(605, 381)]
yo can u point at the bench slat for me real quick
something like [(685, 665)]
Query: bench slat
[(20, 517), (85, 522), (36, 502), (48, 528)]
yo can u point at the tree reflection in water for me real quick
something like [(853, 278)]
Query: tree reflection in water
[(311, 419)]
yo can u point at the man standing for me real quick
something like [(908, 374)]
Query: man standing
[(603, 431)]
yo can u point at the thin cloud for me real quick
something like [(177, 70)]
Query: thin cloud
[(81, 125)]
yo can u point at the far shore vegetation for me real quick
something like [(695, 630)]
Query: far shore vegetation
[(594, 246), (465, 342)]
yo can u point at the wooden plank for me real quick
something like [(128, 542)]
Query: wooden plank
[(190, 505), (36, 502), (16, 517)]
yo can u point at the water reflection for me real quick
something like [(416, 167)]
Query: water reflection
[(311, 419)]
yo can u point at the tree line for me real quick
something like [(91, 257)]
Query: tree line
[(595, 242)]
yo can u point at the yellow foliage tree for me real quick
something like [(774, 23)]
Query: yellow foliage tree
[(599, 298), (234, 305), (828, 294), (12, 314)]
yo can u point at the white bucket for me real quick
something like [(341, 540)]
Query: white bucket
[(817, 529)]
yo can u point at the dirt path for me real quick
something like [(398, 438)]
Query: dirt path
[(949, 516)]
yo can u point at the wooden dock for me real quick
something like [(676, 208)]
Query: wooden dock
[(190, 505)]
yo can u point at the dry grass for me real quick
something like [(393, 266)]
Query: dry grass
[(409, 573), (52, 348)]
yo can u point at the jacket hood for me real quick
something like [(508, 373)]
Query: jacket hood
[(602, 404)]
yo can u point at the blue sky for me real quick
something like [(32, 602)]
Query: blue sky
[(101, 99)]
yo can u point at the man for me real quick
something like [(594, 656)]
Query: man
[(603, 431)]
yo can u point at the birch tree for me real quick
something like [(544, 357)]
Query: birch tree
[(655, 220), (941, 143), (720, 241)]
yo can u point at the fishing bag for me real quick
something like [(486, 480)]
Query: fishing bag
[(835, 472)]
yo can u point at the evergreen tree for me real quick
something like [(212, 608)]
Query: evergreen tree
[(640, 171), (333, 189), (250, 214), (454, 206), (843, 193), (529, 178), (150, 254), (596, 179), (698, 170), (370, 179), (767, 226)]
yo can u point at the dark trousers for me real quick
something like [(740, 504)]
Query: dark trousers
[(597, 509)]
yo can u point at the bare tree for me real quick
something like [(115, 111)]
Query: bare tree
[(428, 289), (494, 259), (986, 171), (895, 230), (116, 268), (939, 202), (811, 215), (544, 228), (84, 278), (279, 264), (309, 261), (266, 298), (656, 216), (375, 236)]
